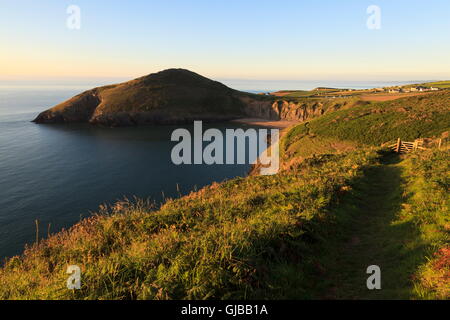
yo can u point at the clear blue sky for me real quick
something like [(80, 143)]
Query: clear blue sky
[(247, 39)]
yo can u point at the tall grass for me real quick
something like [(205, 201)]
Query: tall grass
[(429, 209)]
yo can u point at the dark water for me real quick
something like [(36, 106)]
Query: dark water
[(59, 173)]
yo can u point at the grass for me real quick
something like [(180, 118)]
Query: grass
[(311, 145), (376, 123), (399, 221), (428, 208), (305, 93), (437, 84), (295, 93)]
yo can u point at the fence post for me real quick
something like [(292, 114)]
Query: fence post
[(398, 146)]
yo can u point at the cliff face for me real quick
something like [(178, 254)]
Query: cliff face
[(299, 111), (291, 110), (77, 109)]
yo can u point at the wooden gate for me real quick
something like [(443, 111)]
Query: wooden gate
[(406, 146)]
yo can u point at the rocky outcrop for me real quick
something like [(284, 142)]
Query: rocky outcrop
[(259, 108), (288, 110), (299, 111), (78, 109)]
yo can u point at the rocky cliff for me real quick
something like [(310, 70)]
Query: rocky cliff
[(300, 110)]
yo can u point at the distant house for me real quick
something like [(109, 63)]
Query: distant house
[(413, 89), (434, 89), (422, 89), (394, 91)]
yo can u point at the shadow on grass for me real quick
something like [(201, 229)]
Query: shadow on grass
[(371, 232)]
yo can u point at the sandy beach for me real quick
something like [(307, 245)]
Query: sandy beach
[(280, 124)]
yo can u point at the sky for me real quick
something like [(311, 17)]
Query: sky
[(226, 39)]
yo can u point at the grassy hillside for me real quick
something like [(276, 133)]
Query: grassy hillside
[(317, 92), (372, 124), (437, 84), (305, 93), (177, 89)]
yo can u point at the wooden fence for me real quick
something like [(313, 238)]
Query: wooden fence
[(418, 144)]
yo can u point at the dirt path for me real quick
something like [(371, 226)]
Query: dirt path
[(375, 237)]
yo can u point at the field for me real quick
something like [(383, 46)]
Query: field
[(438, 84), (380, 97)]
